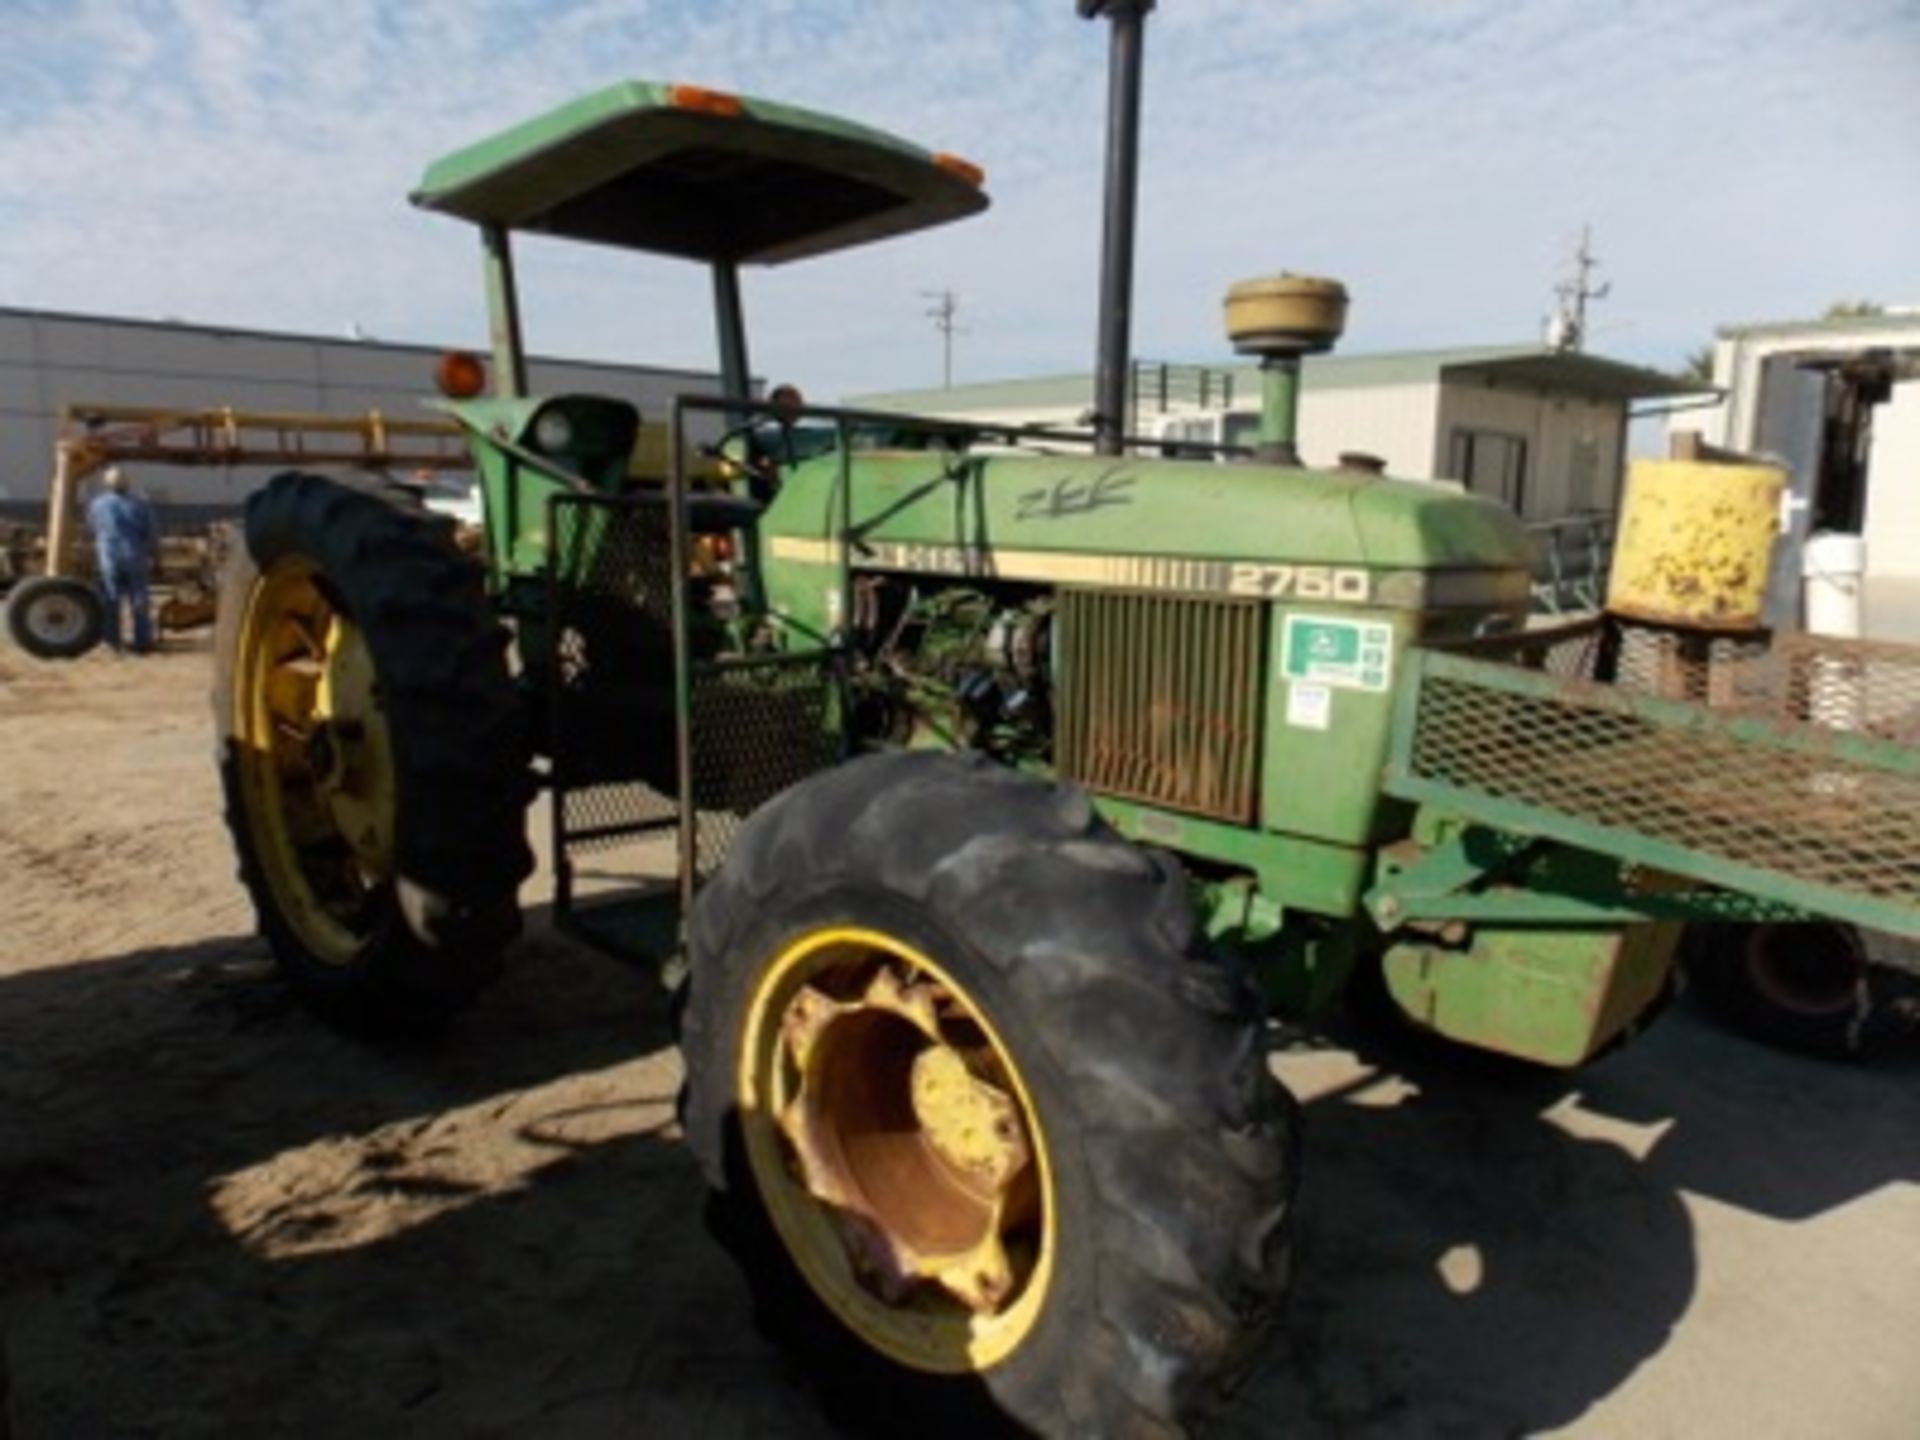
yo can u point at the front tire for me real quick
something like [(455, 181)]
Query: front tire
[(374, 755), (1804, 987), (993, 1137)]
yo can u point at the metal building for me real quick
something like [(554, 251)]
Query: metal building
[(1543, 430), (49, 359)]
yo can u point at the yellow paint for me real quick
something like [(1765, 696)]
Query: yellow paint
[(1696, 543), (652, 456), (948, 1339), (972, 1125), (302, 667), (1308, 308)]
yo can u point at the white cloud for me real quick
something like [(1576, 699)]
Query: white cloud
[(247, 163)]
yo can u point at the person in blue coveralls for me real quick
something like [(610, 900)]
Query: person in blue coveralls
[(125, 538)]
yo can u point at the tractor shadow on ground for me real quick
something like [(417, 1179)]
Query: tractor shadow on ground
[(217, 1214), (220, 1215), (1475, 1259)]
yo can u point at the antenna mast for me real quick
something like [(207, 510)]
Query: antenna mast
[(1568, 328), (946, 305)]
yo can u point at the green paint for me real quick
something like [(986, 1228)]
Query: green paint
[(1553, 995), (1254, 514), (1295, 872), (607, 168), (503, 314), (1461, 872), (1279, 405), (1323, 780), (1861, 754), (1302, 962), (1342, 653), (1500, 924), (518, 479)]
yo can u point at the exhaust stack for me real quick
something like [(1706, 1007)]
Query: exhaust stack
[(1281, 318), (1125, 52)]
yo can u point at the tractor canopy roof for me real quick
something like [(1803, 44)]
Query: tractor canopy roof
[(701, 174)]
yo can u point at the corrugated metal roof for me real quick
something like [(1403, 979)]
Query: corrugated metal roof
[(1534, 366), (1582, 374)]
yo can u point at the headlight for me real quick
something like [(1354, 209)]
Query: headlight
[(553, 432)]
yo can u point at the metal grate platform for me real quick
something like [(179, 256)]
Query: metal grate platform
[(760, 724), (1790, 771), (611, 717), (610, 726)]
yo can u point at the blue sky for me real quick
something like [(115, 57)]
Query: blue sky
[(247, 163)]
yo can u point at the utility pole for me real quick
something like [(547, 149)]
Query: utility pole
[(946, 305), (1568, 328)]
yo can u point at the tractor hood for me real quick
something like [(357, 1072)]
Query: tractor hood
[(1185, 526)]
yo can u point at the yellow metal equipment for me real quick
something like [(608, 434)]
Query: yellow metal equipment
[(92, 437), (1696, 540)]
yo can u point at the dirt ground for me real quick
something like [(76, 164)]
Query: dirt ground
[(217, 1217)]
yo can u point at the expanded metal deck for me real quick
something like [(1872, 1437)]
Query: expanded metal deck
[(620, 774), (1790, 770)]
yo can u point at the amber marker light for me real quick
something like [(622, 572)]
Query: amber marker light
[(707, 102), (460, 375), (963, 169)]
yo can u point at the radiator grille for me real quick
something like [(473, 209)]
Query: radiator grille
[(1159, 699)]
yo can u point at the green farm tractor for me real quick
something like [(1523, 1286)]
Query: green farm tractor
[(1009, 778)]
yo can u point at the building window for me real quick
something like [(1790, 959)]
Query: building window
[(1491, 462), (1583, 477)]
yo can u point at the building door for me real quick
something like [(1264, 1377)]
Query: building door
[(1490, 462)]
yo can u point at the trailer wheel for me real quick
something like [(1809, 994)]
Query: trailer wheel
[(1805, 987), (993, 1139), (55, 617), (373, 752)]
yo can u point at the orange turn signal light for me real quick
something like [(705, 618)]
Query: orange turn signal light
[(707, 102), (460, 375), (963, 169)]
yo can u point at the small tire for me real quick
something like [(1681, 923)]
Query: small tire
[(1805, 987), (428, 932), (55, 617), (1169, 1148)]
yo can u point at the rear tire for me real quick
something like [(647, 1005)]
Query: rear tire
[(385, 872), (56, 617), (1158, 1249)]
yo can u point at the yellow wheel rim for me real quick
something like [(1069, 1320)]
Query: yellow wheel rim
[(898, 1150), (315, 760)]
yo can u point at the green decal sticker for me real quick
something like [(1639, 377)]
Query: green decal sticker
[(1352, 654)]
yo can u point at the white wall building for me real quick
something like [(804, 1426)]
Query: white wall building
[(1807, 392)]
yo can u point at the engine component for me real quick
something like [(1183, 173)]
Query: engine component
[(966, 666)]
